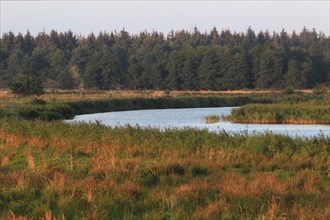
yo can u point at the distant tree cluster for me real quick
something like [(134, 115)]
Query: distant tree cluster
[(181, 60)]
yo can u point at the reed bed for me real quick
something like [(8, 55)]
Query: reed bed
[(291, 109), (73, 171), (310, 112)]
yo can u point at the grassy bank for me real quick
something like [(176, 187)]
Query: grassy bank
[(36, 108), (60, 106), (53, 169), (311, 112), (290, 109)]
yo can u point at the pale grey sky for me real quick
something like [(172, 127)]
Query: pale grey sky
[(84, 17)]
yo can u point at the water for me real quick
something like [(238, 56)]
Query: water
[(194, 118)]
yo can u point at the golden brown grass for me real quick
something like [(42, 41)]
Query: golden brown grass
[(153, 174)]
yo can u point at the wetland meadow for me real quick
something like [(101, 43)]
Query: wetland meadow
[(51, 169)]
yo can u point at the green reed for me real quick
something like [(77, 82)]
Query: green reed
[(313, 112)]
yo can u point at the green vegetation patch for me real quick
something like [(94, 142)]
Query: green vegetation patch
[(298, 112)]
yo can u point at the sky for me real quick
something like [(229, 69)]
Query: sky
[(84, 17)]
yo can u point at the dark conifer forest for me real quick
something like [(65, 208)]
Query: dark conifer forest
[(180, 60)]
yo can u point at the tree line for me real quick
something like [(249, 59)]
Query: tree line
[(181, 60)]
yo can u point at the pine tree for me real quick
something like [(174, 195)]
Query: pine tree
[(209, 71), (174, 68), (292, 77), (307, 74), (270, 74)]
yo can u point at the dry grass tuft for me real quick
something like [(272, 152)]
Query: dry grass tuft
[(89, 193), (259, 184), (274, 210), (71, 162), (12, 140), (266, 182), (4, 161), (104, 162), (235, 184), (185, 190), (58, 182), (36, 142), (30, 160), (213, 210), (48, 215), (12, 216), (311, 182), (129, 189), (22, 182)]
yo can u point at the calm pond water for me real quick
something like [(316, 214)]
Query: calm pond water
[(194, 118)]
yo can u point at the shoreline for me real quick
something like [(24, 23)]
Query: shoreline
[(285, 121)]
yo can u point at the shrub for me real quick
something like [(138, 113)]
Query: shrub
[(27, 82), (37, 101), (289, 91), (148, 179), (199, 171)]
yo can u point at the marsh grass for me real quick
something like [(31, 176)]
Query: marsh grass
[(286, 112), (48, 110), (58, 170), (53, 170), (63, 105), (212, 119)]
